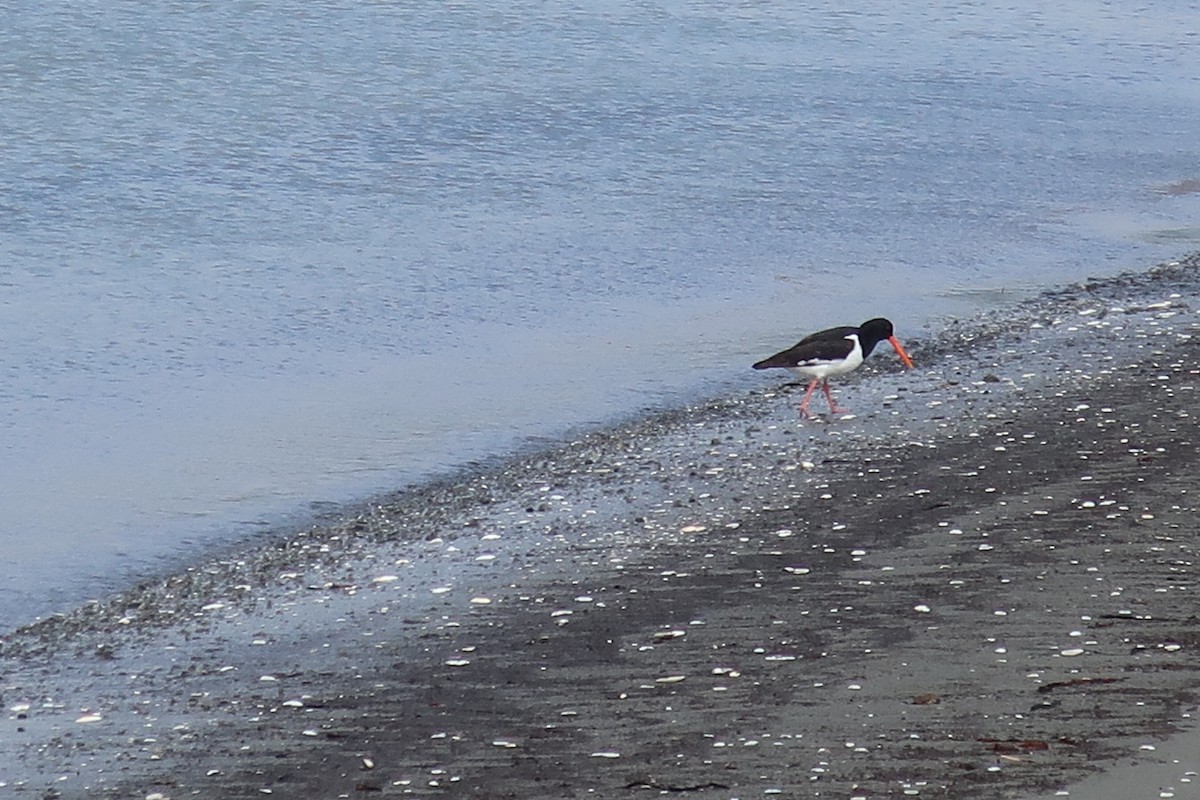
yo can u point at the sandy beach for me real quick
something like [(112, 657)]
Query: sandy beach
[(981, 584)]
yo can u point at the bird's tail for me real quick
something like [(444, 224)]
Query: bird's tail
[(777, 360)]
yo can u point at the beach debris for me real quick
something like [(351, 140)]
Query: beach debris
[(1050, 687), (670, 634), (646, 783), (1016, 745), (926, 699)]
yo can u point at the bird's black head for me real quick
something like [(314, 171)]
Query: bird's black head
[(872, 332)]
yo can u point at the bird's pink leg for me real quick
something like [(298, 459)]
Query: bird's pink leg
[(804, 403), (833, 407)]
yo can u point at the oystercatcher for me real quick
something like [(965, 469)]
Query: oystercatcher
[(835, 351)]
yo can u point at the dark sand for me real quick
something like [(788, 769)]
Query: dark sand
[(982, 585)]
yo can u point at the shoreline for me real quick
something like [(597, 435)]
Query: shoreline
[(720, 600)]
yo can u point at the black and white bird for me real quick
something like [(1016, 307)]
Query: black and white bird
[(836, 351)]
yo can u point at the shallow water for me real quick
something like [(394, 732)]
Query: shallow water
[(256, 258)]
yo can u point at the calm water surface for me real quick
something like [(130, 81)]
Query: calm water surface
[(257, 256)]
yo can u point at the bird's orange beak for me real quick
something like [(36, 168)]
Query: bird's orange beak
[(899, 348)]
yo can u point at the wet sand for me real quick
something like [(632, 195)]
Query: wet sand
[(982, 584)]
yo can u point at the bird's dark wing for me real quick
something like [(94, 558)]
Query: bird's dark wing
[(840, 332), (812, 351)]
